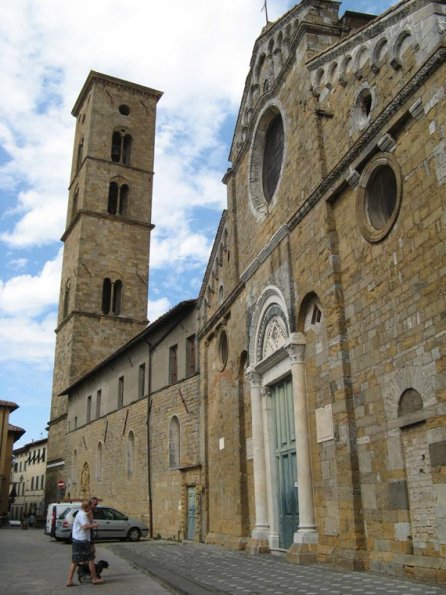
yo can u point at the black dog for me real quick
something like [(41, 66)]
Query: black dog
[(83, 572)]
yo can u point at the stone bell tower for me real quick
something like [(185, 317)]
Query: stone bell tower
[(104, 286)]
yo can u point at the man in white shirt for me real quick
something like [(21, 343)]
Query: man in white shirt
[(81, 546)]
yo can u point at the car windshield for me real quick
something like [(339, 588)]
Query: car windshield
[(64, 513)]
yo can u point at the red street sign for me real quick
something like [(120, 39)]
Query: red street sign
[(61, 483)]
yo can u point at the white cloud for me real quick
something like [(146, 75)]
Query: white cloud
[(28, 295), (24, 339), (18, 263), (157, 308), (191, 50)]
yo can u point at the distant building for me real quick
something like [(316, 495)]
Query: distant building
[(314, 420), (28, 480), (8, 435)]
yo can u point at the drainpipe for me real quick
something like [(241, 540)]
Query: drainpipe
[(151, 348), (149, 464)]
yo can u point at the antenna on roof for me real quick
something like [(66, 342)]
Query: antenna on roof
[(265, 8)]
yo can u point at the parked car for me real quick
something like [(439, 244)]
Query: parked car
[(112, 524), (54, 511)]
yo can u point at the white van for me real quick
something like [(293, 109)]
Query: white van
[(55, 509)]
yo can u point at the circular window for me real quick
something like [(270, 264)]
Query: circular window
[(124, 110), (379, 197), (223, 349), (267, 156)]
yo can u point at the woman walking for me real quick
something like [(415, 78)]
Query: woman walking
[(82, 551)]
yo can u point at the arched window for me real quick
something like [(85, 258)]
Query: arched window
[(410, 401), (121, 147), (117, 199), (117, 292), (113, 198), (130, 453), (111, 296), (80, 151), (174, 442), (123, 198), (99, 462), (116, 147), (66, 299), (106, 295)]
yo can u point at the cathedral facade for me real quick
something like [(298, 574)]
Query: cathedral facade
[(314, 421)]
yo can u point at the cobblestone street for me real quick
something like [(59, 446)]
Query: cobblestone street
[(31, 562), (195, 569)]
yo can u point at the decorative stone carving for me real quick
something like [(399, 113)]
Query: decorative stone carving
[(274, 337), (417, 110), (295, 347), (387, 143), (253, 377), (352, 177)]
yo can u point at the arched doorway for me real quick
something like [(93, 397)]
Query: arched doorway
[(282, 470)]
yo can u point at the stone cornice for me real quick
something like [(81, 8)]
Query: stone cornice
[(111, 81), (373, 29), (107, 216), (112, 163), (123, 319)]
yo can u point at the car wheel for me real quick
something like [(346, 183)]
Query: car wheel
[(134, 534)]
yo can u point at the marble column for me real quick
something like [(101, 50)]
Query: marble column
[(306, 533), (261, 529)]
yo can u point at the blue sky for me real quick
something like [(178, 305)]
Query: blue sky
[(198, 53)]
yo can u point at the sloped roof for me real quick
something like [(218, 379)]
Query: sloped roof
[(18, 432), (183, 307), (8, 405)]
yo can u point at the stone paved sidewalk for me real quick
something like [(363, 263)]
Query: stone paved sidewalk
[(197, 569)]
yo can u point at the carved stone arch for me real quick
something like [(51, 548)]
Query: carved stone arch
[(418, 378), (270, 325), (271, 46), (409, 402), (319, 78), (113, 274), (345, 68), (119, 179), (333, 73), (379, 53), (288, 35), (259, 67), (401, 44), (361, 57)]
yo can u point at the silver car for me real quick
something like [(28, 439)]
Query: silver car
[(112, 524)]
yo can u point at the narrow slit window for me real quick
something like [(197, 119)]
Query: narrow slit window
[(106, 295), (117, 293), (112, 198)]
